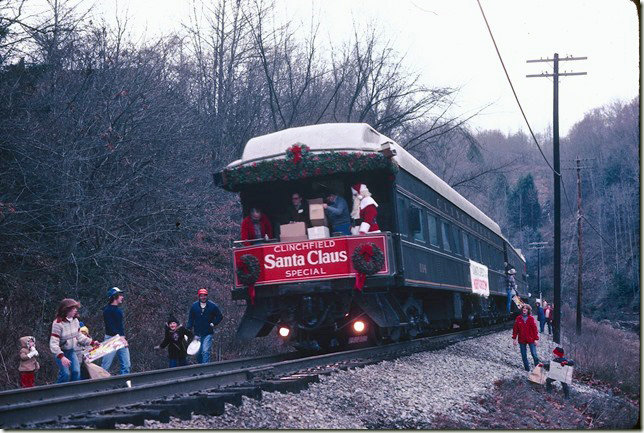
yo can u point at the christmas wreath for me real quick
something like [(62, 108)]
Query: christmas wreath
[(248, 273), (367, 259), (248, 269)]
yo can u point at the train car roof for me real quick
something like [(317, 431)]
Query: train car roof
[(355, 137)]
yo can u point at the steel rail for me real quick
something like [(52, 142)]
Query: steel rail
[(44, 392), (77, 399)]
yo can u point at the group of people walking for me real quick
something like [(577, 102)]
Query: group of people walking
[(69, 338)]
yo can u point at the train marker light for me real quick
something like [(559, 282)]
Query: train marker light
[(358, 326), (284, 331)]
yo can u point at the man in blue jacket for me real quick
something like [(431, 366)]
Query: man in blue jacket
[(113, 318), (203, 315)]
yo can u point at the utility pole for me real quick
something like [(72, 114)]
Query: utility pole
[(557, 182), (538, 246), (580, 257)]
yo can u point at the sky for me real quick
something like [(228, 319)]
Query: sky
[(448, 43)]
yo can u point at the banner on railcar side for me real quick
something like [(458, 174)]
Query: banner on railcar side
[(329, 258), (478, 276)]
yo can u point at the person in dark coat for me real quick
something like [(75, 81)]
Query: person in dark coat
[(256, 226), (203, 316), (525, 331), (176, 340), (113, 319), (559, 357), (541, 317), (511, 288), (298, 210)]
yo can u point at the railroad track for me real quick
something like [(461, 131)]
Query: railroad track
[(199, 389)]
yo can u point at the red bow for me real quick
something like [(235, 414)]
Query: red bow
[(297, 154), (367, 252), (251, 294)]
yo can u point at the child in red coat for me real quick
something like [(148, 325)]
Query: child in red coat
[(525, 330)]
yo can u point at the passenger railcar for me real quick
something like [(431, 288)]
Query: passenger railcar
[(444, 259)]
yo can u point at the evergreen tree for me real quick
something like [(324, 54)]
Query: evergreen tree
[(524, 209)]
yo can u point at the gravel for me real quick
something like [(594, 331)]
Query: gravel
[(408, 392)]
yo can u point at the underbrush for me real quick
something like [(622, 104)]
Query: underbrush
[(604, 353)]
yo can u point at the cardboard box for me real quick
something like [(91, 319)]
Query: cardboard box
[(316, 212), (320, 232), (293, 232), (562, 373)]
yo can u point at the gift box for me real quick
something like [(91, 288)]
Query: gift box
[(293, 232), (316, 212), (320, 232), (562, 373)]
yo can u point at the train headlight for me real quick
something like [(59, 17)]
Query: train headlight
[(284, 331), (359, 326)]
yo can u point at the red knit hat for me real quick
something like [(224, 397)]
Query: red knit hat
[(558, 352), (202, 291)]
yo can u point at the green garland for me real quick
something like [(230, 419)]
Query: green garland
[(301, 163)]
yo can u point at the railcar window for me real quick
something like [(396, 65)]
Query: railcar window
[(446, 236), (402, 217), (417, 224), (433, 231), (466, 246), (457, 241)]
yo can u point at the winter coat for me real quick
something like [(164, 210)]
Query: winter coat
[(548, 313), (113, 319), (177, 342), (202, 320), (66, 335), (297, 215), (368, 216), (27, 363), (338, 212), (526, 331), (248, 229), (541, 315)]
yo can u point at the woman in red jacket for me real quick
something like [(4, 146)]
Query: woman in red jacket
[(525, 328)]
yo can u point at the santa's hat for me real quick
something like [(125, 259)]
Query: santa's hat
[(558, 352), (356, 188)]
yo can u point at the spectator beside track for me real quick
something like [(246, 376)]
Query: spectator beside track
[(256, 226), (525, 330), (337, 213), (28, 363), (203, 316), (113, 318), (512, 288), (541, 317), (65, 339), (559, 358), (548, 313), (176, 340)]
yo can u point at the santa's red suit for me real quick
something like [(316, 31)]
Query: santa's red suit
[(368, 209)]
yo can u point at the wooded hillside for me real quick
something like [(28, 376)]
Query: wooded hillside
[(108, 145)]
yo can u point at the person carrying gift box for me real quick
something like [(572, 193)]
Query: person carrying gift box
[(365, 208), (28, 363), (560, 359)]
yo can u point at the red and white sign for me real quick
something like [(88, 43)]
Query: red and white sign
[(308, 260), (478, 274)]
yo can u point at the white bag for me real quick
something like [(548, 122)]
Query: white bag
[(194, 347)]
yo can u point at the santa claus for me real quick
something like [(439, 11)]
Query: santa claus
[(365, 208)]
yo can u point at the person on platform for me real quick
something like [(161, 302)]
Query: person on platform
[(176, 340), (365, 208), (511, 288), (28, 363), (298, 210), (541, 317), (65, 339), (559, 358), (337, 213), (203, 316), (256, 226), (113, 319), (548, 313), (525, 331)]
